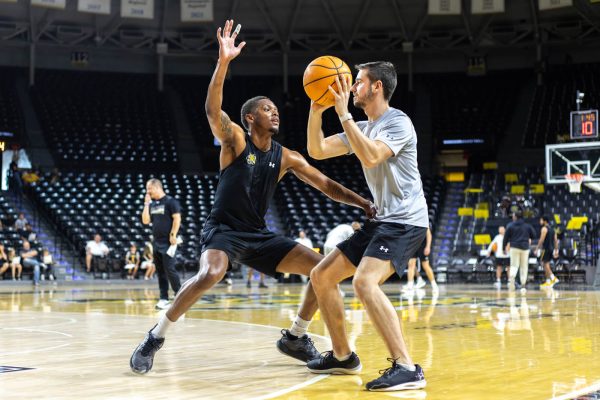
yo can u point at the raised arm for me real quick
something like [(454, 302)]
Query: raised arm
[(294, 162), (220, 123), (369, 152), (146, 210)]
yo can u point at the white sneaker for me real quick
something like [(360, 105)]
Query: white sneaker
[(434, 288), (498, 285), (409, 287), (420, 283), (229, 282), (523, 291), (162, 304)]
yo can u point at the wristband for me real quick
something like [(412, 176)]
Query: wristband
[(346, 117)]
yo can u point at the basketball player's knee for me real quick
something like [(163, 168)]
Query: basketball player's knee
[(316, 277), (214, 274), (362, 286)]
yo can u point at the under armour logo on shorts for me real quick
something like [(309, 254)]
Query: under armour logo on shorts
[(272, 165), (384, 249)]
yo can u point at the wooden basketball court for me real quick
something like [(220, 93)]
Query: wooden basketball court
[(71, 342)]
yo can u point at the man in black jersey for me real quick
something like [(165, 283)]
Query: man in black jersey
[(165, 214), (548, 244), (251, 165)]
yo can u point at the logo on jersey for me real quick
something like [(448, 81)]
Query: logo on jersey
[(251, 159), (272, 165), (384, 249)]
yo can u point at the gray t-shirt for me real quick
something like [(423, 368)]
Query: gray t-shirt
[(396, 182)]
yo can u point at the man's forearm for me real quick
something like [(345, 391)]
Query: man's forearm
[(341, 194), (146, 214), (315, 136), (363, 147), (214, 96), (175, 227)]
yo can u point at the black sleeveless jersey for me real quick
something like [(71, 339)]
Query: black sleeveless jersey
[(246, 187), (549, 239)]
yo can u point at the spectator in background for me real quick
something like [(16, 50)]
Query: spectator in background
[(54, 176), (338, 235), (95, 249), (15, 183), (15, 264), (302, 239), (502, 260), (148, 261), (29, 258), (261, 282), (4, 265), (30, 177), (21, 223), (48, 264), (132, 261), (28, 234), (517, 241)]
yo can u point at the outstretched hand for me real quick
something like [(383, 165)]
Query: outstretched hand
[(227, 48), (318, 108)]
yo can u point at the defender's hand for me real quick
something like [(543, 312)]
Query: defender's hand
[(370, 210), (227, 48)]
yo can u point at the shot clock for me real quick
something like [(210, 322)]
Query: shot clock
[(584, 124)]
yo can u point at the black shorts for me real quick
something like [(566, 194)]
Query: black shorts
[(503, 261), (547, 255), (262, 251), (384, 241)]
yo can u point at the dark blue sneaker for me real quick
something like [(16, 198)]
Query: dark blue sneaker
[(398, 378), (301, 348), (328, 364), (143, 356)]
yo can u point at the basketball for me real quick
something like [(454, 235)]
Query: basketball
[(494, 247), (320, 74)]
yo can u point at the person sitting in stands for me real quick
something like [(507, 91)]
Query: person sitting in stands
[(48, 263), (15, 264), (95, 249), (148, 261), (4, 265), (132, 261), (29, 258)]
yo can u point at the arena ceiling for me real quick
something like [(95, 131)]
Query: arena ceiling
[(297, 26)]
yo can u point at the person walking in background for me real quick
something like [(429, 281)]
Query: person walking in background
[(502, 260), (548, 244), (517, 242), (164, 212)]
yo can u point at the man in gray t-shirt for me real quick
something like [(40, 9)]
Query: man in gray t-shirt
[(386, 146)]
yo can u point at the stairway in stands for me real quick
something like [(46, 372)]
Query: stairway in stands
[(68, 263), (447, 227)]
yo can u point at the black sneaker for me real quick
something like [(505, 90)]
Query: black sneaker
[(328, 364), (398, 378), (143, 356), (302, 348)]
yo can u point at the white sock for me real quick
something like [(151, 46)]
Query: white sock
[(408, 367), (299, 327), (552, 277), (160, 329), (344, 358)]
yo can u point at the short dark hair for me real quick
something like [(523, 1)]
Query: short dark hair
[(383, 71), (545, 218), (155, 182), (249, 107)]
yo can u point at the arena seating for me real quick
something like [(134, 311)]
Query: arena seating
[(105, 120), (473, 107), (553, 101), (11, 118)]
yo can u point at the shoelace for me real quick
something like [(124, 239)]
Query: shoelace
[(148, 346), (394, 365)]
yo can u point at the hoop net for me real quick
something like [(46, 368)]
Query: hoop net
[(574, 181)]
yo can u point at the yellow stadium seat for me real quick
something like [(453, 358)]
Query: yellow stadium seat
[(517, 189), (490, 165), (482, 214), (465, 211), (537, 188), (511, 178)]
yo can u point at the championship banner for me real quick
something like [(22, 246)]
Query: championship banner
[(487, 6), (94, 6), (196, 10), (49, 3), (444, 7), (137, 9), (552, 4)]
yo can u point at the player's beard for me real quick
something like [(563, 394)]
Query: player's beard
[(274, 130), (362, 103)]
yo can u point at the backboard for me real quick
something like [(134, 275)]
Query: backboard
[(572, 158)]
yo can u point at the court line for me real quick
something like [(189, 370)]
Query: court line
[(580, 392)]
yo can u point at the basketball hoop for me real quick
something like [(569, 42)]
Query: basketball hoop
[(574, 181)]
